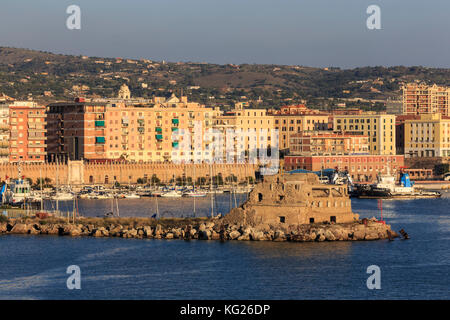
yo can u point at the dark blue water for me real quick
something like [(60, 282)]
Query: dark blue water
[(34, 267)]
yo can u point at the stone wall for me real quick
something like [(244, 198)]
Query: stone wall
[(78, 172)]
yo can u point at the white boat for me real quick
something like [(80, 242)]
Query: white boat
[(386, 187), (171, 194), (194, 194), (62, 196), (132, 196), (20, 191)]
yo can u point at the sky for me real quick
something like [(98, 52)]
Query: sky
[(317, 33)]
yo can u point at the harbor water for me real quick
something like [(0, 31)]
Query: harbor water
[(34, 267)]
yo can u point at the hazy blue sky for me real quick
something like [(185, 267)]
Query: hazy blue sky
[(303, 32)]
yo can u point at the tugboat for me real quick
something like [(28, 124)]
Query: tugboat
[(386, 188)]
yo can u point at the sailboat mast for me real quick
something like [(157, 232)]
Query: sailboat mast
[(40, 182), (212, 199)]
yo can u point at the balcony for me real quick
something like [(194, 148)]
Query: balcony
[(37, 153), (99, 140), (36, 137)]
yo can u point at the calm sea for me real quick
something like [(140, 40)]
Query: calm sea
[(34, 267)]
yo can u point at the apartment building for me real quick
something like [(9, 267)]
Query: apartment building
[(425, 99), (290, 120), (253, 130), (27, 126), (4, 132), (380, 128), (427, 136), (315, 143), (98, 131)]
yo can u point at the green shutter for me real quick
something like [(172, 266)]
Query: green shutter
[(175, 121), (100, 123), (159, 136), (158, 129), (99, 139)]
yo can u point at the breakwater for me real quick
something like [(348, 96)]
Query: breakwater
[(199, 228)]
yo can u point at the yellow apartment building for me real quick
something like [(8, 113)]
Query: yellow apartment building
[(380, 128), (253, 128), (290, 120), (428, 136)]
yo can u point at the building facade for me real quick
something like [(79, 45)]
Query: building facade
[(362, 168), (27, 126), (113, 131), (4, 132), (427, 136), (328, 143), (290, 120), (380, 128), (425, 99)]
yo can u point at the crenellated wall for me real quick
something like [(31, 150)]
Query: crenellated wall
[(78, 172)]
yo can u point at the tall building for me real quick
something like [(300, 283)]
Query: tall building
[(27, 124), (314, 143), (380, 128), (116, 131), (425, 99), (290, 120), (4, 132), (428, 136)]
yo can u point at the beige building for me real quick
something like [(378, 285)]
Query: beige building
[(380, 128), (253, 130), (428, 136), (290, 120), (113, 131), (424, 99), (4, 133)]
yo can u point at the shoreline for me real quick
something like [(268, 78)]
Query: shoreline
[(199, 229)]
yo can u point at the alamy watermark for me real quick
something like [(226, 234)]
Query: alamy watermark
[(74, 280), (374, 281), (73, 21), (228, 146), (373, 22)]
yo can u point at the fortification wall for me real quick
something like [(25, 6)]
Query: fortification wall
[(78, 172)]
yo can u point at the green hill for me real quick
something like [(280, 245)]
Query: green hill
[(25, 73)]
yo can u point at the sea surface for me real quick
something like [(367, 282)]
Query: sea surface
[(34, 267)]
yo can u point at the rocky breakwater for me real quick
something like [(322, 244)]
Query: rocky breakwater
[(201, 229)]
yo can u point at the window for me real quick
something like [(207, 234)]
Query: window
[(282, 219), (333, 219)]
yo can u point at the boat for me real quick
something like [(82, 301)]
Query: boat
[(172, 194), (20, 191), (194, 194), (63, 196), (387, 188), (132, 196)]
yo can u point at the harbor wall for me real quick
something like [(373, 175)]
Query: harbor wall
[(79, 172)]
